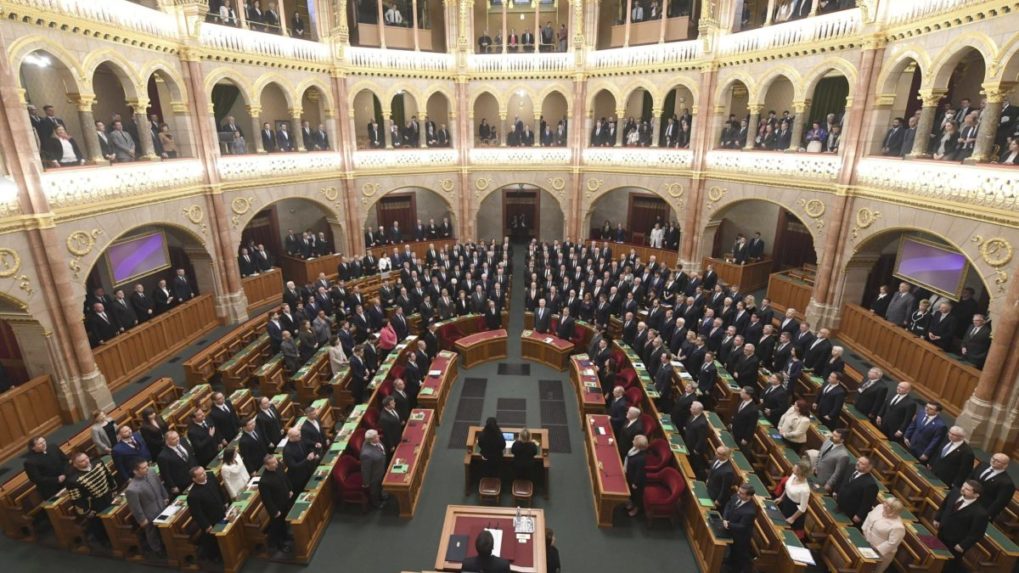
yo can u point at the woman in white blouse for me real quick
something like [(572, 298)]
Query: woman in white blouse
[(235, 475), (794, 424), (884, 530), (337, 358), (796, 495)]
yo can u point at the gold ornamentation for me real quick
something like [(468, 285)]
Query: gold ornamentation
[(594, 185), (996, 251), (1000, 278), (482, 183), (80, 243), (196, 215), (557, 183), (447, 185), (814, 208), (240, 206), (25, 285), (674, 190), (716, 193), (370, 189), (330, 193), (10, 262), (864, 219)]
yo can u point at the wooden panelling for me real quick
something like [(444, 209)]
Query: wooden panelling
[(28, 410), (263, 289), (148, 344), (303, 271), (785, 291), (934, 374), (666, 257), (747, 278)]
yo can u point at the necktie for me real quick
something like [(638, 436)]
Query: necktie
[(946, 449), (716, 465), (827, 449), (856, 475), (182, 453), (958, 504), (896, 399), (987, 474)]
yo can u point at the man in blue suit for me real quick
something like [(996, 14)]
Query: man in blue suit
[(129, 445), (925, 432)]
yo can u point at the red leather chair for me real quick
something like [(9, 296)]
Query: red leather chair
[(619, 357), (659, 454), (628, 376), (634, 396), (395, 372), (385, 389), (370, 419), (661, 494), (649, 424), (349, 483), (356, 442)]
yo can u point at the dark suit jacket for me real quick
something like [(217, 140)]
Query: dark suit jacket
[(311, 435), (205, 445), (976, 345), (299, 467), (270, 428), (253, 451), (719, 482), (142, 305), (856, 497), (744, 422), (997, 491), (954, 468), (869, 401), (626, 435), (777, 401), (746, 370), (565, 329), (925, 439), (275, 488), (488, 564), (227, 423), (880, 305), (964, 527), (206, 503), (392, 430), (696, 436), (176, 473), (829, 404), (816, 357), (124, 314), (896, 418), (541, 323), (741, 522)]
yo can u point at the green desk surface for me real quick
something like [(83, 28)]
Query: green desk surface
[(932, 479), (727, 439), (999, 539), (279, 399), (901, 451), (856, 538), (700, 491), (742, 462), (759, 486), (272, 363), (851, 408), (240, 394), (666, 422), (714, 420), (833, 509), (244, 352), (200, 388)]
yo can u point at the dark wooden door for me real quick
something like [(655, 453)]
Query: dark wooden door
[(644, 212), (521, 214), (263, 230), (399, 207), (794, 246)]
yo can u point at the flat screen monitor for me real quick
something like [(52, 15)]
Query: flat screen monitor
[(508, 436), (137, 256), (937, 268)]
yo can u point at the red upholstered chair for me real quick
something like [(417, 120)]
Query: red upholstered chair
[(628, 376), (348, 481), (649, 424), (619, 357), (661, 494), (479, 324), (395, 372), (385, 389), (634, 396), (578, 339), (370, 419), (356, 442), (659, 454)]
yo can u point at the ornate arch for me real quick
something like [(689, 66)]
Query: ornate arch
[(728, 199), (21, 306), (369, 200), (483, 187), (945, 62), (364, 85), (176, 82), (244, 209), (673, 193), (284, 86), (405, 90), (122, 68), (316, 83), (685, 82), (818, 73), (1008, 61), (19, 49), (439, 89), (772, 75), (527, 90), (894, 66), (239, 81), (599, 87), (642, 83), (490, 90), (555, 89), (730, 82)]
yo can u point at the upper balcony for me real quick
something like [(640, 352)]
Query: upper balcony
[(815, 30), (244, 43)]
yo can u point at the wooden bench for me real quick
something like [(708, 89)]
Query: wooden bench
[(201, 367), (238, 370)]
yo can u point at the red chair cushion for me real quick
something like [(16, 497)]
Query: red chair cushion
[(634, 396), (655, 495)]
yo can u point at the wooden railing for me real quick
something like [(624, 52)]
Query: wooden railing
[(666, 257), (263, 289), (30, 409), (787, 291), (747, 278), (148, 344), (933, 373), (303, 271)]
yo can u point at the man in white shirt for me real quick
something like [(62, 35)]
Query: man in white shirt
[(393, 16)]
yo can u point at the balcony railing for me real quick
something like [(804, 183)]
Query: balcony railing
[(247, 42), (520, 156), (520, 63), (121, 14), (378, 59), (652, 55), (639, 157), (813, 166), (902, 11), (274, 165), (397, 158), (996, 187), (73, 186), (816, 29)]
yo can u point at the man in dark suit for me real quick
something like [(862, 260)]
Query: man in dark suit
[(818, 352), (828, 402), (880, 304), (997, 485), (102, 327), (892, 144), (976, 342), (746, 367), (312, 435), (269, 423), (246, 264), (46, 467), (721, 477), (783, 351), (123, 311), (542, 317), (391, 425), (484, 560), (941, 331), (738, 519), (696, 436), (175, 461), (663, 382), (224, 418), (925, 433), (896, 412), (962, 521), (182, 290), (203, 437), (566, 324), (268, 138), (143, 305), (277, 493), (208, 507), (373, 467), (744, 420), (774, 400), (252, 446), (631, 429), (300, 461), (629, 333), (706, 374), (857, 493), (871, 393), (953, 460)]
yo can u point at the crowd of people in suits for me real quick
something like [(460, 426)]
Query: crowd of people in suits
[(258, 16), (106, 317), (394, 235), (938, 320), (776, 133), (409, 134), (641, 132), (119, 142), (549, 40), (954, 133), (274, 140), (661, 235), (647, 10)]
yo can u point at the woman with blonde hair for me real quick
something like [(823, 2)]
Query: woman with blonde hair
[(884, 530), (796, 495), (794, 424)]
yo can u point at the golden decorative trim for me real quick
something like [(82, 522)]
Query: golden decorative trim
[(330, 193), (482, 183), (25, 285), (447, 185), (80, 243), (370, 189), (814, 208), (674, 190), (864, 219), (716, 193), (240, 206), (594, 184), (196, 215), (996, 251), (557, 183), (10, 262)]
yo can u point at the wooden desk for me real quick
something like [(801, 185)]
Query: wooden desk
[(935, 375), (237, 371), (406, 474), (547, 349), (667, 257), (310, 377), (452, 329), (311, 513), (608, 480), (435, 388), (709, 549), (785, 291), (263, 289), (526, 557), (583, 374), (482, 347), (747, 277), (473, 455), (30, 409)]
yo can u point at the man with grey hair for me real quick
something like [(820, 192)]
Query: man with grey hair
[(953, 461), (631, 429), (373, 468), (696, 434)]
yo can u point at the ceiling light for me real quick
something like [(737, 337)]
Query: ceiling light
[(38, 60)]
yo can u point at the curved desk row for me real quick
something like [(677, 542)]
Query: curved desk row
[(546, 349), (482, 347)]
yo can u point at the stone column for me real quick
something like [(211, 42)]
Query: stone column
[(148, 151), (339, 236), (771, 11), (296, 132), (718, 117), (92, 149), (656, 120), (382, 26), (813, 8), (989, 123), (503, 134), (256, 128), (414, 23), (627, 17), (620, 114), (183, 131), (755, 115), (931, 99), (387, 125), (661, 29), (800, 109), (537, 130), (505, 40)]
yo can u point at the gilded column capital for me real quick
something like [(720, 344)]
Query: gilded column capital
[(800, 107), (254, 110), (138, 105), (179, 108), (296, 112), (995, 92), (84, 102), (756, 108), (932, 97)]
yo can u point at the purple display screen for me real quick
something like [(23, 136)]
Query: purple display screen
[(936, 268), (137, 256)]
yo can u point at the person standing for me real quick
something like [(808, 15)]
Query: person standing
[(147, 498), (373, 468), (738, 519), (961, 522), (277, 495), (884, 530)]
